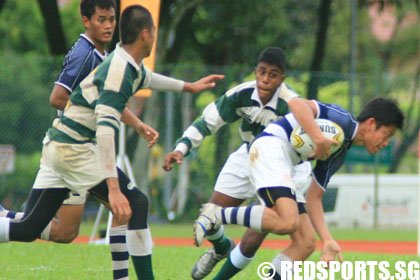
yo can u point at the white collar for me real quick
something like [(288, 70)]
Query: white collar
[(273, 101), (120, 50), (103, 56)]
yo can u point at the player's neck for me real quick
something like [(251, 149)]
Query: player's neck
[(98, 45), (360, 134), (136, 52)]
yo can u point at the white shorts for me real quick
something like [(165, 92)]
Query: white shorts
[(72, 166), (272, 162), (75, 199), (234, 179)]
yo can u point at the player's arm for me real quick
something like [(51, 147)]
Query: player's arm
[(305, 112), (146, 131), (330, 248), (163, 83), (215, 115), (119, 203), (59, 97)]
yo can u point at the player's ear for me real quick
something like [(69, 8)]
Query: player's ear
[(86, 22), (371, 124), (143, 34)]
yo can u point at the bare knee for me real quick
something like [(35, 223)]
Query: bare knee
[(286, 226), (63, 235)]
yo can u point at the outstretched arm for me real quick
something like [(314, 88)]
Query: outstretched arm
[(163, 83), (330, 248)]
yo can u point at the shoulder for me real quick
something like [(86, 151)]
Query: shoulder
[(243, 89), (81, 49)]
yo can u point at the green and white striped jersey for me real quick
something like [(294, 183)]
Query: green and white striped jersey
[(100, 98), (240, 102)]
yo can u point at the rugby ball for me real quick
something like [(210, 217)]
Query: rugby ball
[(303, 144)]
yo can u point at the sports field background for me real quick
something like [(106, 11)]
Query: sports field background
[(43, 260)]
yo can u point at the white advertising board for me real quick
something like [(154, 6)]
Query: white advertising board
[(354, 203)]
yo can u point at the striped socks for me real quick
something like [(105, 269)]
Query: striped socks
[(119, 252), (14, 216), (249, 216)]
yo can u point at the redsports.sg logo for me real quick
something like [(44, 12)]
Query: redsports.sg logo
[(357, 270)]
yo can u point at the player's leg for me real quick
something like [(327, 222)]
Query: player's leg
[(303, 240), (41, 208), (242, 255), (222, 245), (117, 241), (231, 189), (302, 245), (139, 239), (66, 227)]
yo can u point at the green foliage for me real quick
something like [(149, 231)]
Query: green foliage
[(15, 187), (22, 28), (26, 114), (72, 21)]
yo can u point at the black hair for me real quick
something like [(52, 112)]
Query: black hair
[(87, 7), (273, 56), (133, 20), (385, 112)]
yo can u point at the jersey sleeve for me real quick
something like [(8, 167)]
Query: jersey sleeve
[(324, 170), (287, 93), (146, 78), (218, 113), (75, 68)]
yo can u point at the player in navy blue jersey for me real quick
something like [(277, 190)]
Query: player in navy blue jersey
[(271, 158)]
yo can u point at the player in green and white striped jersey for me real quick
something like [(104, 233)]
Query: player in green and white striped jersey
[(256, 104), (79, 150)]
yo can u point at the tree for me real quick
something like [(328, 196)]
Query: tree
[(318, 56), (53, 27)]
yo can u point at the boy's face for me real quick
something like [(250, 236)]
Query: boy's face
[(101, 25), (377, 139), (269, 78)]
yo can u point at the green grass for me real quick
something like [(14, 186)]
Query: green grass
[(80, 261), (45, 261)]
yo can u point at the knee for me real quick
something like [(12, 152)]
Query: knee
[(287, 226), (140, 207), (306, 244), (60, 236)]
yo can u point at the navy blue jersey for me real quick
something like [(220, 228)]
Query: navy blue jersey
[(324, 169), (78, 63)]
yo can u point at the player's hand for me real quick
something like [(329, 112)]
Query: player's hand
[(322, 148), (170, 158), (120, 206), (330, 249), (148, 133), (203, 84)]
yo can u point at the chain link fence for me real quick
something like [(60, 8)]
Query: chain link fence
[(26, 82)]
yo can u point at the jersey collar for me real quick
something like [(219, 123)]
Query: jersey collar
[(127, 57), (273, 101), (93, 45)]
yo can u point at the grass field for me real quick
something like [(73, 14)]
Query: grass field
[(38, 260)]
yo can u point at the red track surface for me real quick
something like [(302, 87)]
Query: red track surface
[(384, 247)]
